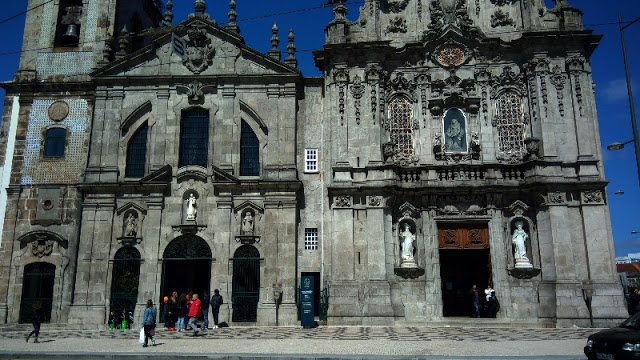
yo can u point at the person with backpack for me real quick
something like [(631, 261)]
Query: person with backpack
[(216, 301)]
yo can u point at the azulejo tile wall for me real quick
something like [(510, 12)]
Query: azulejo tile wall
[(65, 170)]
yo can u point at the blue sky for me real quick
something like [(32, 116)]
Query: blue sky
[(308, 18)]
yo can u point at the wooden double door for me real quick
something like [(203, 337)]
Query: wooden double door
[(464, 261)]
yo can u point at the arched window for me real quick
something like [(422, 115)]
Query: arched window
[(194, 138), (54, 142), (137, 153), (249, 152), (510, 123), (401, 125)]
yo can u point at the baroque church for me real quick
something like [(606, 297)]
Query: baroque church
[(448, 143)]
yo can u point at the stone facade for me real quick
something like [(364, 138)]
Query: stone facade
[(454, 121)]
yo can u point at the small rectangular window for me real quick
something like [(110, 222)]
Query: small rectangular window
[(54, 142), (311, 160), (311, 239)]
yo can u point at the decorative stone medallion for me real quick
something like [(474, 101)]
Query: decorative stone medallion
[(47, 204), (451, 55), (58, 111)]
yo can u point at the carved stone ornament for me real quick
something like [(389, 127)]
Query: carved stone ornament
[(397, 24), (395, 6), (199, 52), (357, 90), (509, 79), (195, 90), (557, 197), (402, 84), (592, 196), (375, 200), (501, 2), (409, 273), (455, 13), (343, 201), (450, 55), (58, 111), (501, 18), (42, 246)]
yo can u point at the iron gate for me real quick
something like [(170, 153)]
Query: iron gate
[(124, 280), (37, 286), (246, 284)]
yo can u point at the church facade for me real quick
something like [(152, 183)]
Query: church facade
[(447, 144)]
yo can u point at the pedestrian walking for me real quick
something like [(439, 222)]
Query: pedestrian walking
[(195, 310), (149, 323), (475, 299), (492, 302), (205, 310), (37, 316), (216, 301)]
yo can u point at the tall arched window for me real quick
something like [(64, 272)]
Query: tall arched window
[(194, 138), (510, 123), (401, 125), (249, 152), (137, 153), (54, 142)]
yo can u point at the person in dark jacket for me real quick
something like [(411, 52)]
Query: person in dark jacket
[(181, 309), (113, 319), (216, 301), (37, 316), (205, 310)]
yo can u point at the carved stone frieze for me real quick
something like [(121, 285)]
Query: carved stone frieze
[(508, 79), (461, 205), (398, 24), (199, 52), (357, 90), (342, 201), (575, 67), (592, 196), (195, 90), (501, 18)]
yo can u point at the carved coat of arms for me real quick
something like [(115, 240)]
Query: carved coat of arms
[(199, 52)]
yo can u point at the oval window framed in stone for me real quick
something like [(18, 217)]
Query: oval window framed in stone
[(47, 204)]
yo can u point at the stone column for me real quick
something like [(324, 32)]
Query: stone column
[(89, 306), (158, 129), (150, 273)]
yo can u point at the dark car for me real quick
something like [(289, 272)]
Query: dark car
[(618, 343)]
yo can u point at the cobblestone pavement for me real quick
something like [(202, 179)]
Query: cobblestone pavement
[(325, 342), (336, 333)]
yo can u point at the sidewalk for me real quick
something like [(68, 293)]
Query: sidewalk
[(298, 343)]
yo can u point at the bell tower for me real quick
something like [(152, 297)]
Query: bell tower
[(66, 39)]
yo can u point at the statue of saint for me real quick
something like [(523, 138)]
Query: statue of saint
[(130, 226), (191, 207), (455, 136), (407, 242), (247, 223), (519, 242)]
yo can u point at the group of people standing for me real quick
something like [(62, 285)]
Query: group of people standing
[(177, 309), (491, 302)]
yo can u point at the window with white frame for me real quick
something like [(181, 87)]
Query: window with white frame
[(401, 125), (311, 239), (510, 123), (311, 160)]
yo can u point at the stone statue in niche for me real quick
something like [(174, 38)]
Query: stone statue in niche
[(406, 241), (455, 131), (130, 226), (519, 240), (192, 207), (247, 223)]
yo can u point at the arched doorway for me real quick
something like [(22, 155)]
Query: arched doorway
[(246, 284), (125, 279), (37, 285), (186, 265)]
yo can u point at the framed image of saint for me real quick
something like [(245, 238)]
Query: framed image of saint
[(454, 124)]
